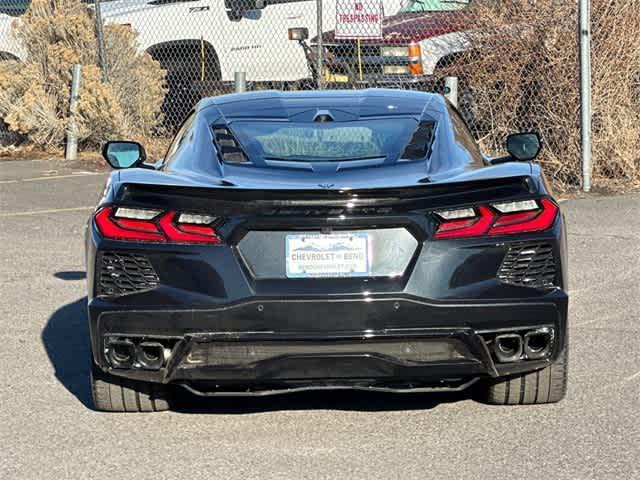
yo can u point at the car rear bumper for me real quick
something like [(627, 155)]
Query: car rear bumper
[(266, 346)]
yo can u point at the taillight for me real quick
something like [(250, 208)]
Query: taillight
[(185, 232), (497, 219), (156, 226)]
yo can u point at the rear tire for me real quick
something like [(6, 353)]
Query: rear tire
[(548, 385), (114, 394)]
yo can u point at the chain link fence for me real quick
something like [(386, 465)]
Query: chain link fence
[(515, 62)]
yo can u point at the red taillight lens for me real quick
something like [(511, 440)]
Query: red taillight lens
[(472, 227), (502, 219), (140, 226), (185, 233), (532, 221), (123, 229)]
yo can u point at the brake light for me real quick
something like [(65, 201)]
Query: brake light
[(497, 219), (155, 226), (186, 233)]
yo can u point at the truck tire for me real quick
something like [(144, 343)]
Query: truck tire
[(548, 385), (182, 61), (115, 394)]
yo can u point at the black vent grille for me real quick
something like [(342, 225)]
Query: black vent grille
[(228, 146), (529, 265), (125, 273)]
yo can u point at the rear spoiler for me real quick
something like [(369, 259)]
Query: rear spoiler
[(232, 200)]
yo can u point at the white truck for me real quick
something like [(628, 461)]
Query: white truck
[(201, 43), (235, 35)]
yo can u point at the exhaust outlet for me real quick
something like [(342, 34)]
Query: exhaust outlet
[(508, 347), (150, 355), (537, 343), (121, 353)]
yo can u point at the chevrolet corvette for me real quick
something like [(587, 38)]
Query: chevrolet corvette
[(293, 241)]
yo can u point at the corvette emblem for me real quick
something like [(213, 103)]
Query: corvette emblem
[(327, 186)]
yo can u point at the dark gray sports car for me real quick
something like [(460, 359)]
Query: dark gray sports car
[(326, 240)]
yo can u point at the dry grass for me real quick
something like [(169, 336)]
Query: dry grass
[(34, 95), (524, 75)]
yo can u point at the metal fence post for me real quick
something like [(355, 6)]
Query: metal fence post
[(451, 90), (72, 128), (320, 47), (102, 55), (585, 92), (240, 82)]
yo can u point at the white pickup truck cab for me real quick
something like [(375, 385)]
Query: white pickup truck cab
[(201, 43), (235, 35)]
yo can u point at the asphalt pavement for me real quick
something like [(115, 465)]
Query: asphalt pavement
[(49, 430)]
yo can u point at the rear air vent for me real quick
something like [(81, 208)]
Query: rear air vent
[(228, 146), (529, 264), (421, 142), (124, 273)]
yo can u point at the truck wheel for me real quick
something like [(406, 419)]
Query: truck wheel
[(115, 394), (182, 61), (548, 385)]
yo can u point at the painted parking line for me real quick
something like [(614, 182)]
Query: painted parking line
[(57, 177), (44, 212), (52, 177)]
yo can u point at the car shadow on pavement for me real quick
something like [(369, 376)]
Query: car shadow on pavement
[(66, 340), (344, 400), (71, 276)]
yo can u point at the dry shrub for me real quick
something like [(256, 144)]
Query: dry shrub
[(34, 94), (523, 72)]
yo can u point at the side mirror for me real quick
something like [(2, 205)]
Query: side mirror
[(524, 147), (124, 154), (300, 34)]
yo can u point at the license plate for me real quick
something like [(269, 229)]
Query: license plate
[(316, 255)]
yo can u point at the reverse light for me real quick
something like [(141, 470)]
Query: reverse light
[(497, 219), (457, 214), (136, 213), (196, 219), (156, 226), (510, 207)]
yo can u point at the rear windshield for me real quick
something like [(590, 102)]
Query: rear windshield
[(325, 141)]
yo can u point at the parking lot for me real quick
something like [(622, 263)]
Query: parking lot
[(49, 430)]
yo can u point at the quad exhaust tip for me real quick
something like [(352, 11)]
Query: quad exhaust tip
[(121, 353), (532, 345), (508, 347), (125, 353), (537, 343), (150, 355)]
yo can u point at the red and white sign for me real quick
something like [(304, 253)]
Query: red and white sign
[(359, 19)]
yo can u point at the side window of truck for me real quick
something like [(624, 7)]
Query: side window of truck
[(239, 9)]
